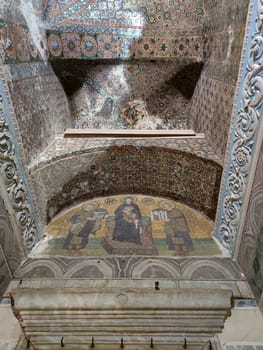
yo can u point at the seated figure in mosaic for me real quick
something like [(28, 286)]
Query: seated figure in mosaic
[(128, 222)]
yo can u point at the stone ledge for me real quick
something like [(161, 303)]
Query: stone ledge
[(87, 133), (134, 314)]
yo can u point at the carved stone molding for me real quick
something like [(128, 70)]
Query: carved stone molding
[(199, 269), (117, 311), (14, 182), (245, 132)]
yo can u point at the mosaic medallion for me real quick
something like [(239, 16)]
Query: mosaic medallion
[(54, 45), (89, 46)]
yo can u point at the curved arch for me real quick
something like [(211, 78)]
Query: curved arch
[(103, 269), (166, 270), (32, 269), (116, 170), (198, 269)]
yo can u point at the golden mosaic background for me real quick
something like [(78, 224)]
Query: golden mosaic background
[(153, 215)]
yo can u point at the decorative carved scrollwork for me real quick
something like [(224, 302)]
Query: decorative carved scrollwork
[(13, 182), (244, 137)]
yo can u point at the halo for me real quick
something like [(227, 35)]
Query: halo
[(134, 199), (162, 203), (94, 204)]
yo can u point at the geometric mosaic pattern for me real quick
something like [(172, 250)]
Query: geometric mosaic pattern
[(19, 46), (137, 29), (40, 104), (128, 169), (87, 46), (213, 114), (134, 94), (109, 29), (61, 147), (115, 16)]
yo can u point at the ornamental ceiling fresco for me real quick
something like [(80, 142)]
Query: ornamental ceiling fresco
[(135, 94), (118, 60), (117, 31), (117, 14), (97, 44), (127, 30), (129, 224), (104, 29)]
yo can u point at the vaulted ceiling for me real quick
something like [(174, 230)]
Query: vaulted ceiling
[(117, 66)]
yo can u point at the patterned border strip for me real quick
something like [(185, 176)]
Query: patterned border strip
[(86, 46), (13, 176), (19, 46), (135, 13), (244, 135)]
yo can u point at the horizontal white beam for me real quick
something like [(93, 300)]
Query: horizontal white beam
[(86, 133)]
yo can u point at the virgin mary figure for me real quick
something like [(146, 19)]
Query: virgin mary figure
[(128, 222)]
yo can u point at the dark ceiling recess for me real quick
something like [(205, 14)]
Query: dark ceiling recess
[(73, 73), (185, 80)]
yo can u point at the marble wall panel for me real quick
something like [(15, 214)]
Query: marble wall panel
[(5, 273), (184, 269), (250, 252), (10, 242), (248, 345)]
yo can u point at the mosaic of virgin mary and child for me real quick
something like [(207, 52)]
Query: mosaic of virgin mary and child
[(128, 222)]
